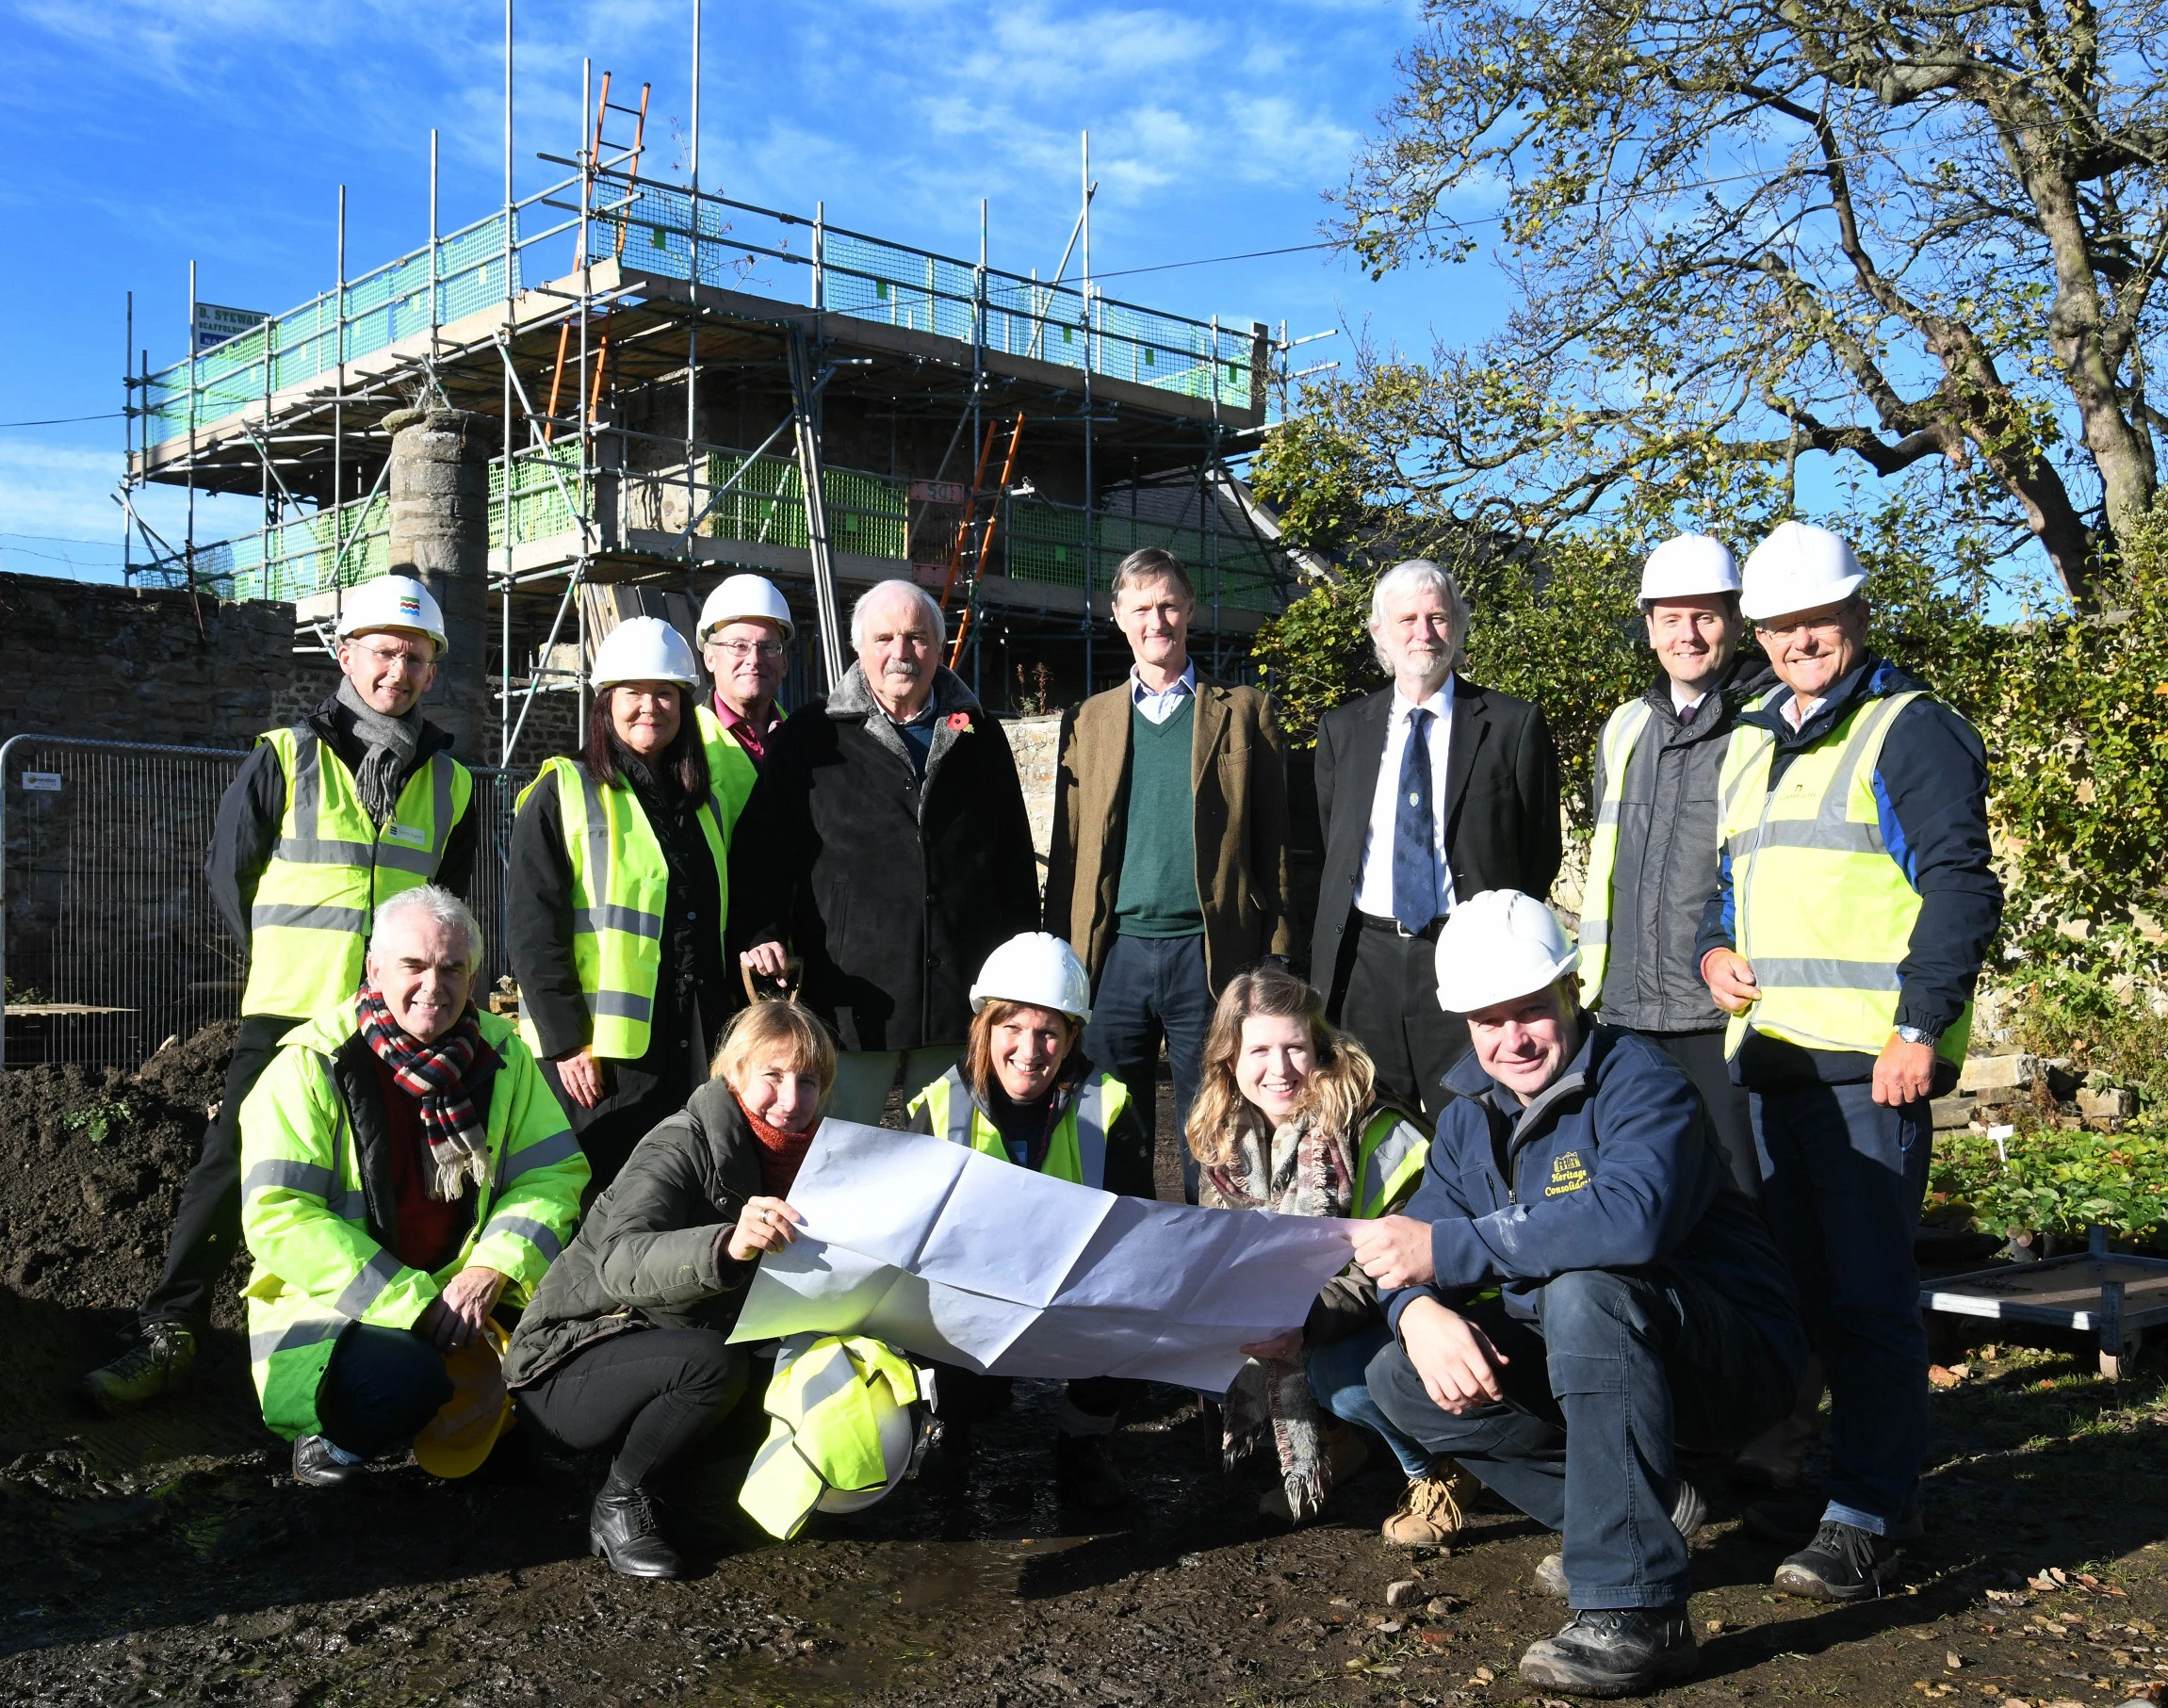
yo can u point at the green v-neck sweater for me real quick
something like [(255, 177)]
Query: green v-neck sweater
[(1158, 893)]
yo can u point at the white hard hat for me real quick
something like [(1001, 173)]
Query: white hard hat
[(643, 649), (743, 599), (1799, 567), (898, 1430), (392, 602), (1687, 564), (1037, 969), (1498, 946)]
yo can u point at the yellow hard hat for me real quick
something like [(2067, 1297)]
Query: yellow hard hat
[(455, 1441)]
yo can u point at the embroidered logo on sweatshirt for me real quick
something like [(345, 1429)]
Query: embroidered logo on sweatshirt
[(1567, 1174)]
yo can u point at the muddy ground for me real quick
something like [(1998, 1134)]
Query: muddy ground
[(168, 1558)]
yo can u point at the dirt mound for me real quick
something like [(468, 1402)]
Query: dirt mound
[(91, 1165)]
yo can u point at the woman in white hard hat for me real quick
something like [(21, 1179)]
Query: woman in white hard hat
[(618, 892), (1025, 1092), (746, 628), (1287, 1118), (670, 1253)]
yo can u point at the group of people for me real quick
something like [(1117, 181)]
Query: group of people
[(1612, 1198)]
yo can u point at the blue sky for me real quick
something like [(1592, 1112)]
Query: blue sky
[(148, 134)]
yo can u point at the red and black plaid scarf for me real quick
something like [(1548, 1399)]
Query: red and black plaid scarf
[(435, 1074)]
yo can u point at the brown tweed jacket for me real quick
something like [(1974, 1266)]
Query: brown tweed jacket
[(1238, 776)]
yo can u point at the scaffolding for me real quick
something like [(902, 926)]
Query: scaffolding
[(611, 322)]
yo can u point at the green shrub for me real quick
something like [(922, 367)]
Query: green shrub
[(2048, 1181)]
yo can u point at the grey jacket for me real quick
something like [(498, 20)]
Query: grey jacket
[(1666, 867), (652, 1251)]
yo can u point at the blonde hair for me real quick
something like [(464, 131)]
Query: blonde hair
[(771, 1029), (979, 1042), (1340, 1076)]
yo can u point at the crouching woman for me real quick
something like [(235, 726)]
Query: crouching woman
[(404, 1168), (1286, 1119), (625, 1348)]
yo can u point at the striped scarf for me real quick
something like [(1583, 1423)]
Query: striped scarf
[(435, 1074)]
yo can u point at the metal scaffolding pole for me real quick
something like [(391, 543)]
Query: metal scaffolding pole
[(504, 731), (340, 420), (189, 559), (805, 399), (128, 436), (693, 319), (1090, 567)]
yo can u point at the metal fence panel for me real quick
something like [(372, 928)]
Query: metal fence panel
[(110, 943)]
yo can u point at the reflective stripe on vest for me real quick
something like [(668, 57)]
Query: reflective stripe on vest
[(332, 867), (731, 773), (1393, 1153), (825, 1426), (1076, 1152), (1622, 732), (1820, 910), (620, 882)]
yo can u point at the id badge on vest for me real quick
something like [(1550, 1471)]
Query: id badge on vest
[(412, 834)]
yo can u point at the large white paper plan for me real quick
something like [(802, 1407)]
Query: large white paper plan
[(970, 1259)]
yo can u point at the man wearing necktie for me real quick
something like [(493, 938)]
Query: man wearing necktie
[(1428, 792)]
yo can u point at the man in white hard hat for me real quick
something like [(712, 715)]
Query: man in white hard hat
[(746, 630), (1653, 861), (1854, 907), (327, 820), (886, 846), (1427, 791), (1167, 867), (1641, 1305)]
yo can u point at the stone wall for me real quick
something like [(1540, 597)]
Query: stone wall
[(129, 664)]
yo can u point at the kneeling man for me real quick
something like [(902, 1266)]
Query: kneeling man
[(403, 1168), (1639, 1301)]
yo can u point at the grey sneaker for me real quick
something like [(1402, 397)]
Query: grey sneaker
[(154, 1364)]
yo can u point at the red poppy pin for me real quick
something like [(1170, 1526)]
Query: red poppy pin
[(960, 722)]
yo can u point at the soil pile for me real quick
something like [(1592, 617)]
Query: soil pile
[(91, 1165)]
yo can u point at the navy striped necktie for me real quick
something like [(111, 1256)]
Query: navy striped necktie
[(1414, 851)]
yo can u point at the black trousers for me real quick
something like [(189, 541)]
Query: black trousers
[(207, 1222), (648, 1392), (1386, 994), (381, 1386), (1702, 1054)]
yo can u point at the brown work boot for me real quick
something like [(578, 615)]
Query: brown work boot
[(1430, 1513)]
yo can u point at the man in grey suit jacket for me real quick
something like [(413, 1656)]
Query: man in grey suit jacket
[(1428, 792)]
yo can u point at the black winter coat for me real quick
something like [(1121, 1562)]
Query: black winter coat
[(1666, 867), (893, 891), (654, 1249)]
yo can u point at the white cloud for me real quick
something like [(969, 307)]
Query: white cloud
[(57, 515)]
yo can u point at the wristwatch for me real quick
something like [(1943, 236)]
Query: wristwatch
[(1919, 1035)]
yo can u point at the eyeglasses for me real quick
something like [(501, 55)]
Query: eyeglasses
[(738, 651), (388, 656), (1829, 625)]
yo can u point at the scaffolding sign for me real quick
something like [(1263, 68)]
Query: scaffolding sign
[(215, 325)]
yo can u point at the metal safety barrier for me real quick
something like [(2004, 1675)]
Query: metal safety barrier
[(109, 941)]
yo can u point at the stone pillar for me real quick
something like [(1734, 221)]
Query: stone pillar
[(439, 483)]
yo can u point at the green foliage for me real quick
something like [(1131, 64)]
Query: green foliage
[(1317, 654), (1314, 478), (96, 1122), (2065, 1010), (2046, 1180)]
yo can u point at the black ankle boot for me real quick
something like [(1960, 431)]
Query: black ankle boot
[(1622, 1651), (623, 1529)]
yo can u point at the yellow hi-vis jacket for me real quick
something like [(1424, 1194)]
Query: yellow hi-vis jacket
[(332, 867), (1621, 731), (1076, 1152), (1388, 1162), (731, 773), (620, 882), (1820, 910), (306, 1194), (826, 1406)]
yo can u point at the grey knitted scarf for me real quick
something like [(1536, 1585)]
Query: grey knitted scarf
[(391, 744)]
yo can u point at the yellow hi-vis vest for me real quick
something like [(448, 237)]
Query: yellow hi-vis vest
[(826, 1429), (619, 882), (1076, 1152), (1820, 910), (731, 773), (1387, 1163), (1622, 732), (332, 867), (304, 1211)]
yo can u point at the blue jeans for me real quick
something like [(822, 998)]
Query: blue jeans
[(1153, 989), (381, 1386), (1623, 1365), (1843, 1179), (1336, 1379)]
